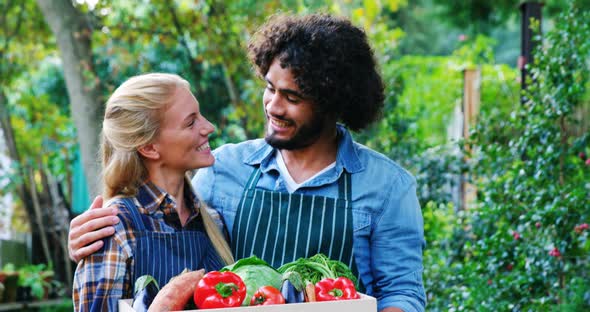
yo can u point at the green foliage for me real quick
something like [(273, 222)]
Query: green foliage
[(202, 41), (474, 52), (526, 246), (8, 268), (481, 16), (38, 277), (24, 44), (65, 305), (43, 130), (22, 37), (478, 15), (422, 94), (444, 231)]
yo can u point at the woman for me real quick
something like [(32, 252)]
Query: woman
[(153, 134)]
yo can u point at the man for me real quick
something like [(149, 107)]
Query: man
[(307, 187)]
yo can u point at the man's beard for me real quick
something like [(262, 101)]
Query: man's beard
[(306, 135)]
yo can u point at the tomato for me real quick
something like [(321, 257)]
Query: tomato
[(267, 295)]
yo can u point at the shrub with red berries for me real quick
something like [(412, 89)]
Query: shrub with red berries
[(555, 252), (581, 228), (525, 238)]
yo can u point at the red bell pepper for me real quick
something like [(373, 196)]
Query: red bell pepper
[(335, 289), (267, 295), (220, 290)]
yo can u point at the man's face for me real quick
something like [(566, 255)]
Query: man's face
[(292, 122)]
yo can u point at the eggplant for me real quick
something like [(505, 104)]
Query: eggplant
[(292, 288), (291, 294), (146, 289)]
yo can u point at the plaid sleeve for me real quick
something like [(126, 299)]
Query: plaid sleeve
[(103, 278)]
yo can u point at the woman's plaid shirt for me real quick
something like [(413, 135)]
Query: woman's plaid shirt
[(104, 277)]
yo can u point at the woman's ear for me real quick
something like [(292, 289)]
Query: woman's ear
[(149, 151)]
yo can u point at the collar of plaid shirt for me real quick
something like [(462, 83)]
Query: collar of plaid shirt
[(153, 199)]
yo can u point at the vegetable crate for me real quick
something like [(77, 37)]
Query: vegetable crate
[(364, 304)]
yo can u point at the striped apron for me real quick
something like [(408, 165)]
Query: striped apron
[(164, 255), (282, 227)]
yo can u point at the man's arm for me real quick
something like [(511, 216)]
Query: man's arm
[(102, 278), (88, 229), (203, 182), (396, 250)]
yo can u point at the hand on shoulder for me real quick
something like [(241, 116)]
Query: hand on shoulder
[(88, 229)]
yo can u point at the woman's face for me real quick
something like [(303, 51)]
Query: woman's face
[(183, 140)]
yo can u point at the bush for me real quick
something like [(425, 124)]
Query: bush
[(525, 246)]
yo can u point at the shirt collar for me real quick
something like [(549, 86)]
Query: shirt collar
[(346, 158), (152, 198)]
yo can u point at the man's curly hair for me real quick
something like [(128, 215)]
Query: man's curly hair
[(331, 60)]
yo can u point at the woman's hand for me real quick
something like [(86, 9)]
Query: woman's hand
[(88, 229)]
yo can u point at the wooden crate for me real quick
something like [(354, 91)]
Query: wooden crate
[(364, 304)]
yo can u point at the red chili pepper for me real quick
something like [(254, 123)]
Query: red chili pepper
[(335, 289), (220, 290), (267, 295)]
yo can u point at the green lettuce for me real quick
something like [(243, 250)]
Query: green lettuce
[(255, 273)]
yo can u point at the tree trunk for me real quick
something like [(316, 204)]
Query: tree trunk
[(230, 86), (73, 36), (22, 188), (59, 230), (39, 222), (7, 130), (195, 65)]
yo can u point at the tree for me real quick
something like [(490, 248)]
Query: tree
[(24, 42), (73, 33)]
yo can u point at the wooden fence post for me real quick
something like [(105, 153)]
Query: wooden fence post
[(471, 102)]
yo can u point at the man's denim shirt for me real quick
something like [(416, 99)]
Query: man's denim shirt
[(388, 225)]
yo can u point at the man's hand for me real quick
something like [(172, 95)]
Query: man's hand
[(88, 229)]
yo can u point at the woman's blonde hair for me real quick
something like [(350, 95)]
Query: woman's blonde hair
[(132, 119)]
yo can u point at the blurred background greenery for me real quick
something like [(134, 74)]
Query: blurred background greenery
[(521, 242)]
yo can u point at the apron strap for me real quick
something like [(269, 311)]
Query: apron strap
[(344, 186), (253, 180), (135, 215)]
